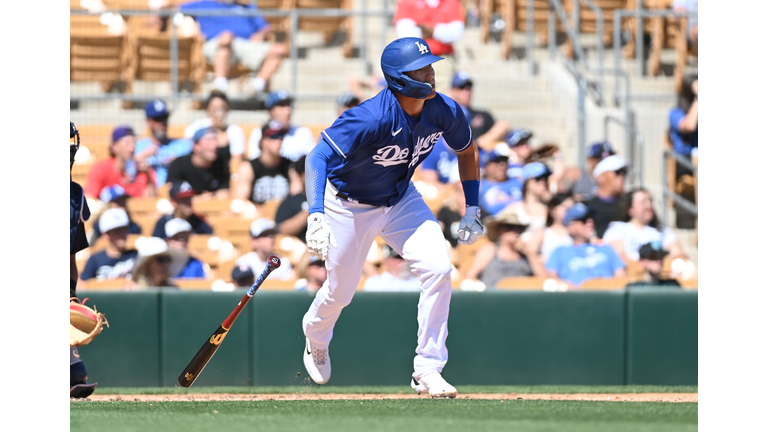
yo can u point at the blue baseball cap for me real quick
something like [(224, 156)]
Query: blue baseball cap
[(461, 79), (121, 132), (202, 132), (600, 150), (534, 170), (278, 97), (111, 193), (578, 211), (518, 136), (156, 108), (241, 271)]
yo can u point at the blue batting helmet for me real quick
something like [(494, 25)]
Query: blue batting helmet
[(405, 55)]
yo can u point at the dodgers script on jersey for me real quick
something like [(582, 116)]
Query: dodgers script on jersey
[(377, 139)]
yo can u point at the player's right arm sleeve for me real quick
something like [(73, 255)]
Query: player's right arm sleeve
[(316, 173)]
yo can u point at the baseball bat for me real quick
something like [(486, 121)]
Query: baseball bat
[(211, 345)]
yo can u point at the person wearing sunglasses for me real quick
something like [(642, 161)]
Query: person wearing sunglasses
[(610, 174), (156, 264)]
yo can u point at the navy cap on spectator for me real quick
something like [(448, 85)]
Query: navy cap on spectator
[(461, 79), (156, 108), (278, 97), (535, 170), (121, 132), (347, 100), (600, 150), (274, 129), (242, 274), (652, 251), (181, 189), (518, 136), (111, 193), (202, 132), (577, 212)]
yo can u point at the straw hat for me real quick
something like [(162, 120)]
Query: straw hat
[(505, 217), (149, 247)]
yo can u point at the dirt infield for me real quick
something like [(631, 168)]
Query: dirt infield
[(612, 397)]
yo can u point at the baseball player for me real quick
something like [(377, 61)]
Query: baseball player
[(78, 214), (358, 183)]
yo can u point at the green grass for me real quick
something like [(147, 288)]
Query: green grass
[(384, 415), (311, 389)]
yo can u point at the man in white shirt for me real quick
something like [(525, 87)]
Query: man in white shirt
[(397, 275)]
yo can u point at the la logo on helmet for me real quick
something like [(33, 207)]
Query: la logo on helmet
[(422, 48)]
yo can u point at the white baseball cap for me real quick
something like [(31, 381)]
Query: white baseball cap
[(611, 163), (113, 218), (175, 226), (261, 226)]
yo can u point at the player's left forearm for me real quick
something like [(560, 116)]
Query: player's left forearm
[(469, 163)]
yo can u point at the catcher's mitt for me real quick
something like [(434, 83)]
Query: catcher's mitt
[(84, 323)]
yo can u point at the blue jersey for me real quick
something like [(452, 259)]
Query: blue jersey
[(495, 196), (212, 26), (443, 160), (577, 264), (166, 153), (379, 146)]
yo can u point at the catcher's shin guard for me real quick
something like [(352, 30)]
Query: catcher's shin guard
[(78, 377)]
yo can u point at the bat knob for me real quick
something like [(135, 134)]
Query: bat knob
[(274, 261)]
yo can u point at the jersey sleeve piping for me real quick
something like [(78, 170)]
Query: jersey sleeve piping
[(334, 144)]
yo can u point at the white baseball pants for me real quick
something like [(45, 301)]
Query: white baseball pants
[(411, 229)]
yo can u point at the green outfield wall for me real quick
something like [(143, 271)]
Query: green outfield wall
[(639, 336)]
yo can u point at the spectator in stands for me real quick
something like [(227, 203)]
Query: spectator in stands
[(486, 130), (346, 101), (236, 38), (518, 140), (638, 226), (203, 170), (230, 137), (651, 259), (506, 255), (134, 175), (610, 173), (533, 209), (263, 233), (116, 261), (497, 190), (397, 275), (156, 264), (266, 177), (181, 194), (555, 234), (114, 197), (441, 167), (293, 211), (583, 260), (177, 234), (580, 181), (242, 276), (158, 150), (312, 273), (684, 122), (297, 141)]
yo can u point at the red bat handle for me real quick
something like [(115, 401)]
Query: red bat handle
[(227, 324)]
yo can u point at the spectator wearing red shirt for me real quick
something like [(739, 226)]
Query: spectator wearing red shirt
[(136, 177), (439, 22)]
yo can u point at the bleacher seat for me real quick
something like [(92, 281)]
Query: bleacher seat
[(604, 283), (202, 284), (522, 283), (329, 26)]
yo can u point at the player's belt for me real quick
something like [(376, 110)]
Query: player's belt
[(346, 197)]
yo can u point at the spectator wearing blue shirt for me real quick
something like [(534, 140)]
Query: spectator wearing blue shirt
[(497, 190), (157, 149), (583, 260), (518, 140), (177, 234), (230, 39), (684, 122)]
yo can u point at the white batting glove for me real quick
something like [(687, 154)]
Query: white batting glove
[(319, 236), (470, 227)]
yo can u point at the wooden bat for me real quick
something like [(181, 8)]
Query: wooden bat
[(206, 352)]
